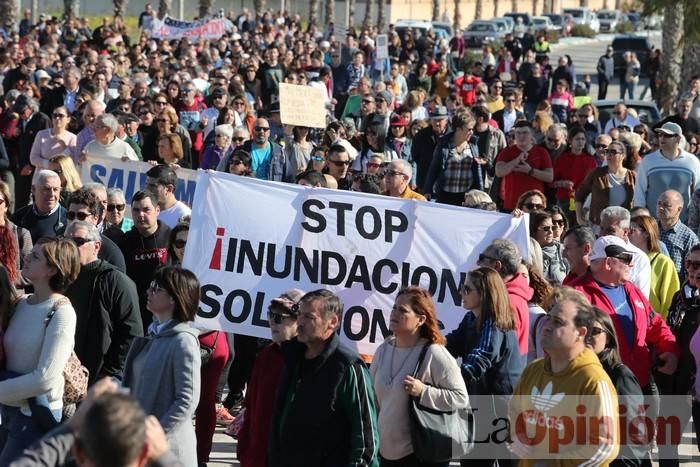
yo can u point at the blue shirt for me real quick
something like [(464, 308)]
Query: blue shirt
[(618, 298), (261, 161)]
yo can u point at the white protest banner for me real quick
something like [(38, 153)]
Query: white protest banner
[(302, 105), (171, 28), (130, 176), (382, 42), (251, 240)]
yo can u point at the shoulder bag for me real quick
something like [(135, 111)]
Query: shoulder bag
[(439, 436), (208, 352)]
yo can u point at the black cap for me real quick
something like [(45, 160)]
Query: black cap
[(218, 92)]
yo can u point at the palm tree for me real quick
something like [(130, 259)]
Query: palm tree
[(381, 15), (691, 61), (8, 13), (70, 8), (351, 12), (513, 5), (495, 8), (477, 8), (205, 8), (457, 21), (120, 7), (672, 57), (534, 7), (313, 12), (436, 10), (368, 14), (164, 8), (330, 11), (259, 6)]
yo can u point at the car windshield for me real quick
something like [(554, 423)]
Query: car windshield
[(539, 21), (606, 15), (481, 27), (629, 44), (575, 13), (556, 19)]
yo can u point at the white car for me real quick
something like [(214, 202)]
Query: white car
[(543, 23), (585, 16), (609, 19)]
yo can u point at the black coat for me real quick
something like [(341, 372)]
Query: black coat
[(422, 149), (55, 98), (37, 122), (108, 318), (498, 116)]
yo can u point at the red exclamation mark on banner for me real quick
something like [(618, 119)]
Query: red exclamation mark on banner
[(215, 262)]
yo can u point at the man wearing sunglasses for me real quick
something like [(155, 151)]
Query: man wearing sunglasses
[(638, 326), (85, 206), (106, 306), (268, 159)]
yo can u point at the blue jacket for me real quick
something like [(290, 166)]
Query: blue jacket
[(491, 359)]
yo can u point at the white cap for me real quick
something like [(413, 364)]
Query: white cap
[(670, 128), (609, 246)]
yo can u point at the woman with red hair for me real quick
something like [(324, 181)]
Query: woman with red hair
[(15, 242), (438, 383)]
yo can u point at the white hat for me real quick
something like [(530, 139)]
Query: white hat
[(610, 246), (41, 74), (670, 128)]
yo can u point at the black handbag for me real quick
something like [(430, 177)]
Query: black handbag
[(208, 352), (439, 436)]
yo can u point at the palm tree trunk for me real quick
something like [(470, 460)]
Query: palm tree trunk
[(313, 12), (70, 8), (513, 5), (381, 15), (351, 13), (120, 8), (330, 11), (478, 7), (164, 8), (495, 8), (534, 7), (205, 8), (457, 20), (259, 6), (9, 13), (368, 14), (672, 56), (436, 10), (691, 61), (583, 3)]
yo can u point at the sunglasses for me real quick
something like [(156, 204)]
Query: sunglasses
[(179, 244), (533, 206), (71, 216), (319, 159), (162, 120), (277, 318), (393, 173), (596, 331), (372, 165), (340, 163), (238, 138), (692, 264), (116, 207), (262, 128), (79, 241), (601, 146), (547, 228), (239, 103), (59, 115), (558, 222), (625, 258)]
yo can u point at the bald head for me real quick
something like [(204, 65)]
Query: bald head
[(668, 208)]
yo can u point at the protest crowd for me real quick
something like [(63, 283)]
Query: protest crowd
[(602, 307)]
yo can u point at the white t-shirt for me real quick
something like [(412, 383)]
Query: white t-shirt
[(171, 216), (116, 149)]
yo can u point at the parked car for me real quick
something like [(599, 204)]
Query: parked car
[(609, 19), (584, 15), (509, 21), (482, 32), (640, 45), (520, 29), (543, 23), (501, 24), (419, 28), (636, 20), (562, 21), (443, 30), (647, 111)]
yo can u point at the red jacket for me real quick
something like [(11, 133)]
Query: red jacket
[(520, 293), (650, 328), (259, 404)]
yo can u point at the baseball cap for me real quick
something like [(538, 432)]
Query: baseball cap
[(218, 92), (398, 120), (670, 128), (386, 96), (611, 246), (288, 298)]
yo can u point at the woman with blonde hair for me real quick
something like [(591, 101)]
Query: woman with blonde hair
[(414, 102), (644, 234), (438, 384), (488, 346), (70, 178), (540, 124)]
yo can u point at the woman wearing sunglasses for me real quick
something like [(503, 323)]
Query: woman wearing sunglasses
[(53, 141), (602, 339), (553, 264), (116, 207), (531, 200), (611, 185), (163, 370), (488, 346), (644, 234)]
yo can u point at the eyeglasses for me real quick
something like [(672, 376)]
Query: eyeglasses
[(595, 331), (262, 128), (318, 158), (510, 100), (71, 215), (179, 243), (340, 163), (612, 152), (237, 103), (79, 241), (235, 162), (558, 222), (59, 115), (238, 138), (533, 206), (161, 103), (116, 207), (277, 318), (546, 228), (154, 287), (393, 173), (186, 90), (373, 165), (162, 120), (692, 264)]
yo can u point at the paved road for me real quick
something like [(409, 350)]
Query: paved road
[(585, 54)]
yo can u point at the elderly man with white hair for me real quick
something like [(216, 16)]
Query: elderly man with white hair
[(106, 143), (92, 110), (397, 177), (46, 217)]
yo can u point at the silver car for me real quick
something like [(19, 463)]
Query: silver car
[(481, 32), (609, 19)]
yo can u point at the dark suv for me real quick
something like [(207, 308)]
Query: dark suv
[(631, 43)]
